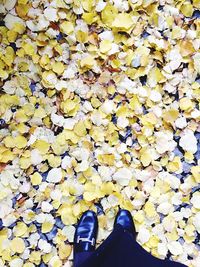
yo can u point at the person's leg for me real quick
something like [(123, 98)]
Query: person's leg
[(120, 249), (105, 250), (81, 257), (85, 237)]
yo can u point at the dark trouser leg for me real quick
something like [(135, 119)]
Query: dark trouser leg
[(81, 257), (120, 249)]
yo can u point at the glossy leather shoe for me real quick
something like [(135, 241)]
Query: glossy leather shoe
[(86, 233), (125, 219)]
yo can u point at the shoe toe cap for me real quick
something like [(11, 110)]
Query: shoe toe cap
[(87, 226), (125, 219)]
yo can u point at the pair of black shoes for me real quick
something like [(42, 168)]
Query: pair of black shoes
[(87, 229)]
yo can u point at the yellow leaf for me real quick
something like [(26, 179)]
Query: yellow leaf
[(20, 116), (19, 28), (108, 159), (9, 142), (134, 103), (105, 46), (68, 219), (49, 79), (28, 264), (35, 257), (123, 21), (155, 75), (88, 62), (40, 113), (20, 229), (196, 3), (196, 173), (145, 157), (58, 67), (150, 209), (186, 104), (24, 163), (82, 37), (7, 156), (54, 161), (64, 251), (174, 165), (22, 2), (122, 111), (67, 27), (88, 5), (36, 178), (46, 227), (139, 216), (29, 49), (89, 196), (153, 242), (186, 48), (90, 18), (187, 9), (171, 115), (17, 245), (80, 129), (97, 134), (95, 102), (70, 135), (107, 188), (42, 146), (22, 10), (108, 14), (20, 141)]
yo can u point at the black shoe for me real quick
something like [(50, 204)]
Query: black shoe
[(125, 219), (86, 233)]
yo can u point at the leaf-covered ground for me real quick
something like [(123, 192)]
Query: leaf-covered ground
[(99, 108)]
